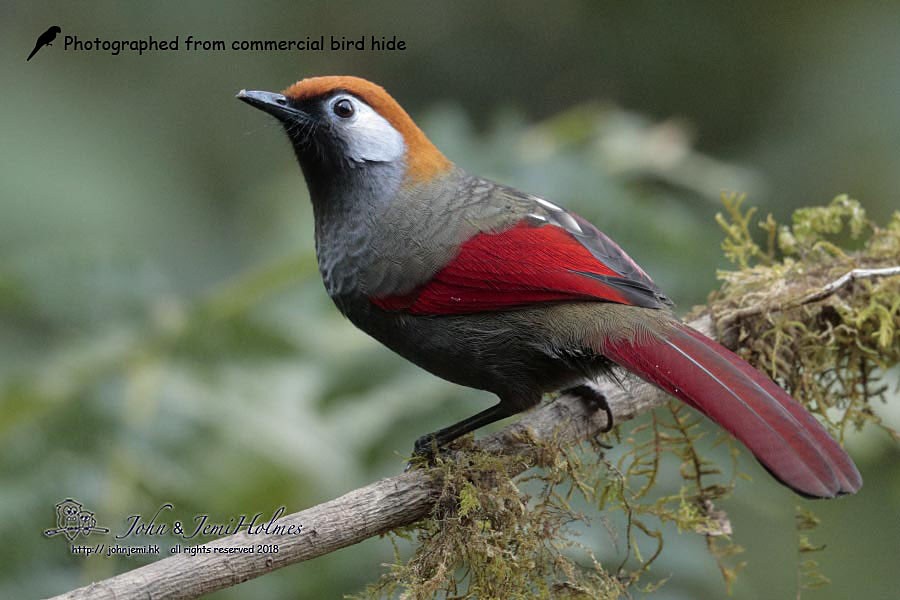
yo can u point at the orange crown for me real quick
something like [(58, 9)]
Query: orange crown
[(423, 160)]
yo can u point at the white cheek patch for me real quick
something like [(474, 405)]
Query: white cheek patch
[(371, 138)]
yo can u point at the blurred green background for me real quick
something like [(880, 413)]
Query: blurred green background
[(164, 336)]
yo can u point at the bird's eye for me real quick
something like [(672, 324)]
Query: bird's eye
[(343, 108)]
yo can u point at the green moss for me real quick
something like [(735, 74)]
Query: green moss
[(489, 539), (809, 574), (829, 353)]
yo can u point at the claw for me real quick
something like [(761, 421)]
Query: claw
[(594, 400)]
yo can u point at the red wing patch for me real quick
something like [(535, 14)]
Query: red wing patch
[(518, 267)]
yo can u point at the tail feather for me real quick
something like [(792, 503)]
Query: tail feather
[(783, 436), (846, 471)]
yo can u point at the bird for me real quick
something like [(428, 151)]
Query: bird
[(505, 291), (45, 39)]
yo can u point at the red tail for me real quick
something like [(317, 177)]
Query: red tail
[(783, 436)]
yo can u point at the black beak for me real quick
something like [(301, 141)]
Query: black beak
[(274, 104)]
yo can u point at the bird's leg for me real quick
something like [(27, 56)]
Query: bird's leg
[(428, 444), (594, 400)]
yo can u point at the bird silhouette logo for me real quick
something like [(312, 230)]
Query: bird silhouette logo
[(45, 39)]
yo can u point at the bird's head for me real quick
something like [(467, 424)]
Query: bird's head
[(342, 124)]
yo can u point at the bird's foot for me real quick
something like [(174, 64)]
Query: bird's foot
[(424, 452), (594, 400)]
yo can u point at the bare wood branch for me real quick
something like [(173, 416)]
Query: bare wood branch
[(820, 294), (370, 510), (847, 278)]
